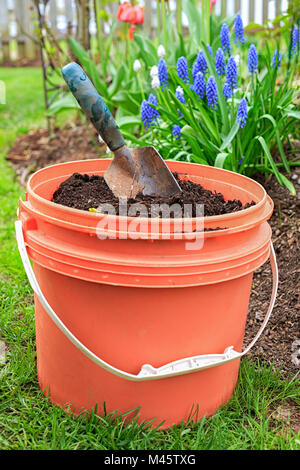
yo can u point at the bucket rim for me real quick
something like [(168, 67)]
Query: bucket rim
[(209, 219)]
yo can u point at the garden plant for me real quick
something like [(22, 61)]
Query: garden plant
[(224, 106), (225, 103)]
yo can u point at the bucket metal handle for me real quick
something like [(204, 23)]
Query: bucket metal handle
[(147, 372)]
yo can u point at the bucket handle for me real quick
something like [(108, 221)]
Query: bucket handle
[(147, 372)]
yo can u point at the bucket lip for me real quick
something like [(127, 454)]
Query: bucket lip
[(212, 218), (39, 245), (175, 280)]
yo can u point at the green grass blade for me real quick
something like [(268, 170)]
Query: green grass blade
[(270, 159), (278, 139)]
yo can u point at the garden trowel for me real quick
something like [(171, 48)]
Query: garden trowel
[(132, 171)]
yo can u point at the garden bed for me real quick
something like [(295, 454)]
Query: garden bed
[(279, 342), (37, 149)]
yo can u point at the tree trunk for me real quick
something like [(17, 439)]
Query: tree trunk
[(83, 23)]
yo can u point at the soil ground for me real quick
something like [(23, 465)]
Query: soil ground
[(21, 63), (280, 342), (37, 149)]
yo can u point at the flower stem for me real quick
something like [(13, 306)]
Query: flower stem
[(140, 85), (253, 88), (216, 122), (164, 24), (206, 21), (127, 41), (179, 17), (240, 148), (163, 98), (98, 24), (158, 21), (232, 109)]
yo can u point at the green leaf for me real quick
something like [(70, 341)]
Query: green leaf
[(197, 159), (89, 67), (147, 50), (278, 139), (180, 50), (288, 184), (230, 136), (137, 140), (67, 102), (129, 101), (220, 160), (291, 113), (189, 117), (194, 19), (119, 77), (206, 144), (180, 154), (128, 121), (173, 118), (270, 159)]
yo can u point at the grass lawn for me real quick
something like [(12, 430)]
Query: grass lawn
[(29, 421)]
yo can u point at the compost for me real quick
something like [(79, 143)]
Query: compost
[(84, 192)]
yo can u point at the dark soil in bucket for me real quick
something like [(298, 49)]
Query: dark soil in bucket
[(85, 192)]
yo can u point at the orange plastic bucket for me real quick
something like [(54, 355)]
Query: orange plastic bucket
[(141, 321)]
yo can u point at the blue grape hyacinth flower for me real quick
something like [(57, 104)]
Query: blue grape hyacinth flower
[(227, 91), (242, 113), (176, 131), (182, 69), (199, 85), (220, 62), (294, 40), (212, 92), (199, 65), (209, 49), (180, 97), (231, 73), (239, 29), (225, 38), (153, 100), (146, 114), (195, 69), (162, 73), (252, 60), (276, 56), (149, 115)]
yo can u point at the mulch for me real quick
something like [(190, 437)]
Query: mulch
[(280, 342), (21, 63), (37, 149)]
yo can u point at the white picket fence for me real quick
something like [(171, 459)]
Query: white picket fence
[(17, 19)]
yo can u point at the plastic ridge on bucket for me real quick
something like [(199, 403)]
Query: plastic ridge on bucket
[(138, 324)]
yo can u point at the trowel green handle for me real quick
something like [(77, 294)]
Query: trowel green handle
[(92, 105)]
